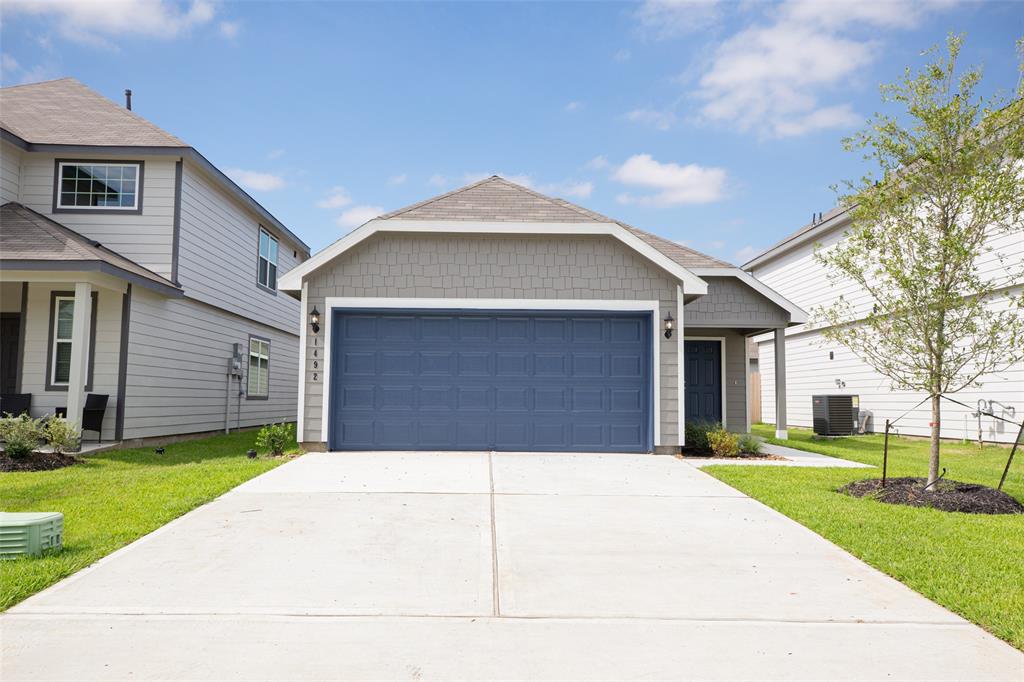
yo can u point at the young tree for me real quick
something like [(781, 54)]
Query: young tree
[(951, 182)]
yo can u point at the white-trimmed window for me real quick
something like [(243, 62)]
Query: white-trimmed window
[(98, 186), (60, 353), (266, 273), (259, 367)]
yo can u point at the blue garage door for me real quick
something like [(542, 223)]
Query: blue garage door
[(457, 380)]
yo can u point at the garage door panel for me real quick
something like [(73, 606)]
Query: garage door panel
[(491, 380)]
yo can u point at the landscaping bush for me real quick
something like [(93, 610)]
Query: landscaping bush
[(697, 435), (723, 443), (275, 438), (60, 435), (21, 435), (750, 444)]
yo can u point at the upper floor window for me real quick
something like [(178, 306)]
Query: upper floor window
[(266, 273), (89, 186)]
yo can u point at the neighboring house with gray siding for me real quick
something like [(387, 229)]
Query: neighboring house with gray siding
[(130, 267), (494, 317)]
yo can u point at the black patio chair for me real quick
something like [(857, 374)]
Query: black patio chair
[(15, 404), (92, 413)]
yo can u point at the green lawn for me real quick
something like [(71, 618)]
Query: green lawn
[(971, 564), (115, 497)]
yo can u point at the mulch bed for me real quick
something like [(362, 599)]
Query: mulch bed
[(969, 498), (37, 461)]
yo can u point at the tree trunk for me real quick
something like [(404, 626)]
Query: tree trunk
[(933, 464)]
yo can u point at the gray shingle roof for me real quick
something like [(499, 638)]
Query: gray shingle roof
[(495, 199), (66, 112), (29, 238)]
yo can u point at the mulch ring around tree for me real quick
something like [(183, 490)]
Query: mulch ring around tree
[(945, 495), (37, 461)]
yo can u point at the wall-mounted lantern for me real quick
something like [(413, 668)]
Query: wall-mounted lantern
[(314, 320), (669, 326)]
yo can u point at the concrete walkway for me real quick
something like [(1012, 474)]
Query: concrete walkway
[(477, 566), (793, 458)]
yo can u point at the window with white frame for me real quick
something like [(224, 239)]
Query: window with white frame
[(267, 271), (63, 320), (108, 186), (259, 367)]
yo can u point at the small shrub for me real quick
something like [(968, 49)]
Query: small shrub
[(697, 434), (21, 435), (61, 435), (723, 443), (275, 438), (750, 444)]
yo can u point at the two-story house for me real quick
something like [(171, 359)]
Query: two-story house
[(130, 267)]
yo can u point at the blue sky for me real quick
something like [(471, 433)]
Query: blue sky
[(714, 124)]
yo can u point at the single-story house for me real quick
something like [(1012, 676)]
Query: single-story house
[(493, 317)]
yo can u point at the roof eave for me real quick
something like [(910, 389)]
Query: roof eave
[(100, 266), (292, 280), (797, 315), (799, 239)]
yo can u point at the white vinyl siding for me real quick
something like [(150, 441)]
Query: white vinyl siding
[(10, 173), (219, 255), (176, 368), (259, 368), (809, 371), (60, 353)]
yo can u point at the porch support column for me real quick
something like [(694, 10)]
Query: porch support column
[(780, 384), (79, 353)]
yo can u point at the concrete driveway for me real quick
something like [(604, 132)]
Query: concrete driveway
[(443, 566)]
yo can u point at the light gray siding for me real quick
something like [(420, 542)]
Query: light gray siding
[(217, 257), (107, 351), (731, 303), (450, 266), (145, 238), (177, 366), (735, 358), (10, 172)]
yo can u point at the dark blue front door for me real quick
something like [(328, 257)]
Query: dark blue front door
[(483, 380), (703, 381)]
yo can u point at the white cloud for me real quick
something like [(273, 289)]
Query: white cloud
[(9, 63), (569, 188), (262, 182), (398, 179), (336, 198), (13, 73), (660, 120), (745, 254), (769, 77), (276, 153), (573, 106), (230, 29), (599, 162), (666, 19), (94, 23), (437, 180), (622, 55), (357, 215), (672, 184)]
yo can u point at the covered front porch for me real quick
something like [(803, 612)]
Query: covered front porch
[(65, 305)]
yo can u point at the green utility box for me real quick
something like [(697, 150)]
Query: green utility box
[(30, 533)]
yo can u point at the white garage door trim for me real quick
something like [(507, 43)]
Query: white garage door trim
[(654, 307)]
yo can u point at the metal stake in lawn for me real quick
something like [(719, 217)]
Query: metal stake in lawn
[(885, 454), (1008, 461)]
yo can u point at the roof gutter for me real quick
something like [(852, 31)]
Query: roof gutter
[(796, 240), (189, 153)]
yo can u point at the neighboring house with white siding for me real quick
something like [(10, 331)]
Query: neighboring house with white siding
[(130, 267), (817, 366)]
